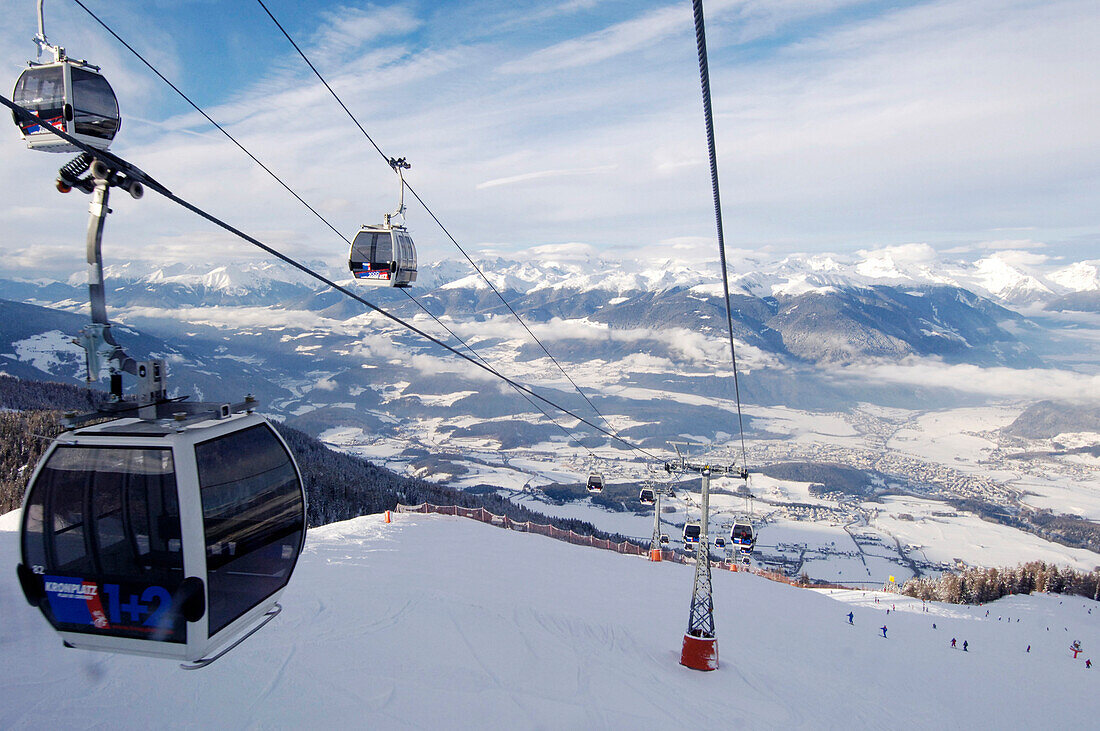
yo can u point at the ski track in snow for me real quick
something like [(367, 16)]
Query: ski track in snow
[(439, 622)]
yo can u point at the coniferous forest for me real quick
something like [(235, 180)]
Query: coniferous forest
[(978, 585)]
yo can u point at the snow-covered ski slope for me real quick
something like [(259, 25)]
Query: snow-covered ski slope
[(438, 622)]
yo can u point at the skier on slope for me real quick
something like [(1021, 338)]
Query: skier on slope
[(965, 643), (850, 618), (952, 643), (883, 630)]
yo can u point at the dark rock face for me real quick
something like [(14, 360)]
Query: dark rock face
[(1047, 419), (1076, 302)]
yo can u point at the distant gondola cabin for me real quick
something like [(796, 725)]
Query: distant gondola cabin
[(384, 256), (743, 536), (72, 97)]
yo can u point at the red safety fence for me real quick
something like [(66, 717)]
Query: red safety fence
[(625, 547)]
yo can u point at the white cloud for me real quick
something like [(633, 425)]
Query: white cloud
[(572, 251), (233, 317), (1008, 383), (1006, 244), (754, 19), (939, 122), (907, 253), (605, 43), (345, 30), (1018, 258), (522, 177)]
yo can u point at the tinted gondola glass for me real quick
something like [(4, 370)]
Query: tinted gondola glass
[(252, 507), (102, 528), (383, 256), (71, 97), (42, 90), (95, 109)]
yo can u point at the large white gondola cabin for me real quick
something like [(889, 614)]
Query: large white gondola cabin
[(167, 537)]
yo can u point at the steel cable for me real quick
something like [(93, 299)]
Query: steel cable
[(704, 81)]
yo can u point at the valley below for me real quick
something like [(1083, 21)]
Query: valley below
[(893, 427)]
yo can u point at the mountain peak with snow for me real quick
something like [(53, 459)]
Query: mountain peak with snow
[(1011, 277)]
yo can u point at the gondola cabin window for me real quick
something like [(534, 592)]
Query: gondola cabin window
[(381, 247), (42, 92), (105, 521), (95, 108), (252, 514)]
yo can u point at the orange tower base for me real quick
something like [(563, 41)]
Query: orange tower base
[(654, 554), (699, 653), (388, 516)]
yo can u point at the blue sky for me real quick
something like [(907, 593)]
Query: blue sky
[(842, 124)]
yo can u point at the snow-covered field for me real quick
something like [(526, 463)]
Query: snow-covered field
[(798, 525), (434, 622)]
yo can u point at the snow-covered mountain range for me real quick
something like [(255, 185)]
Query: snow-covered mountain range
[(890, 303), (1010, 277)]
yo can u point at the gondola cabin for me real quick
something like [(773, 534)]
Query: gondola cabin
[(664, 539), (166, 537), (691, 532), (71, 96), (720, 542), (742, 536), (595, 483), (647, 496), (383, 256)]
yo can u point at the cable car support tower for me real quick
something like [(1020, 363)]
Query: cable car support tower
[(700, 648), (655, 550)]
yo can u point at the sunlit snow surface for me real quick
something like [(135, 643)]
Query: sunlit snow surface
[(435, 622)]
